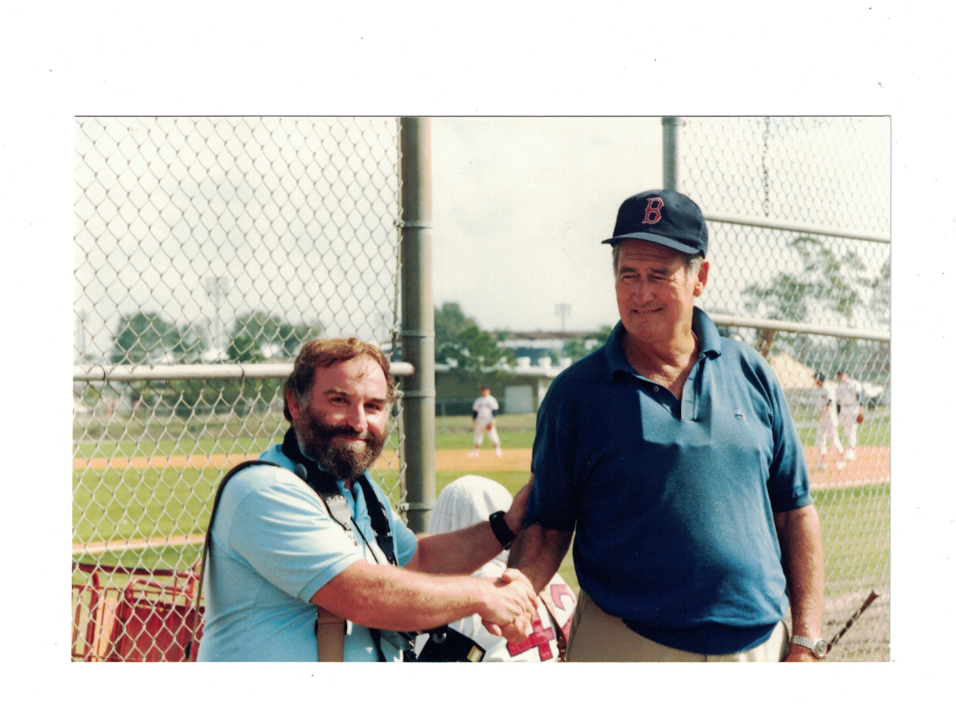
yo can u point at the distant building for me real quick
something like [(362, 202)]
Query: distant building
[(519, 391), (534, 344)]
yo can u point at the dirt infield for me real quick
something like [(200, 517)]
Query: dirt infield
[(872, 465)]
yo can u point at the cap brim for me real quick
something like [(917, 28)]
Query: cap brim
[(652, 238)]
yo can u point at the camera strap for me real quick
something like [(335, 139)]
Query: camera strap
[(562, 639), (330, 628), (189, 653)]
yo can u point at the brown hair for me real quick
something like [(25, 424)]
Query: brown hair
[(322, 353)]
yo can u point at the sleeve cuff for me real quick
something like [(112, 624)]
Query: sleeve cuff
[(327, 575), (794, 503)]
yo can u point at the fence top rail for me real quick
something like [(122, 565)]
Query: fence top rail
[(795, 227), (794, 327), (227, 371), (133, 571)]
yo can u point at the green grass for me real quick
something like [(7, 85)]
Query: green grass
[(875, 430), (134, 504), (178, 558), (137, 520), (855, 524), (241, 445), (169, 436), (509, 440), (170, 447), (516, 431)]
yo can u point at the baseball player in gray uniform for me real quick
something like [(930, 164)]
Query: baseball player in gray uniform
[(827, 421), (849, 395)]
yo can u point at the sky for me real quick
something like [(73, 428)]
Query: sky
[(295, 216), (520, 208)]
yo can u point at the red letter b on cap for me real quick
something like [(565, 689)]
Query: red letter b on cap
[(653, 213)]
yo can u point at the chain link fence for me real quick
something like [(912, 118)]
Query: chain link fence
[(207, 246), (203, 246), (799, 214)]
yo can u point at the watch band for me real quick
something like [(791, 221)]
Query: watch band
[(818, 647), (501, 529)]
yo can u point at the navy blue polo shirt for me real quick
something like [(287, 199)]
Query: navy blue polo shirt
[(673, 500)]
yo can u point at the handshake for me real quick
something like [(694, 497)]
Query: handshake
[(510, 606)]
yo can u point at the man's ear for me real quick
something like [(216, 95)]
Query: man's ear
[(293, 402), (702, 278)]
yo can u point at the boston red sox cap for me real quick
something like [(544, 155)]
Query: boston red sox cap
[(664, 217)]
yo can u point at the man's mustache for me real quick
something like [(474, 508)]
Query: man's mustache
[(346, 431)]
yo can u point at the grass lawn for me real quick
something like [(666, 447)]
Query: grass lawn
[(137, 504), (174, 511), (855, 523), (875, 430), (216, 437)]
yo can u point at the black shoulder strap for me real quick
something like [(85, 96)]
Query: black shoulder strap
[(207, 542), (215, 506), (379, 518), (321, 482), (324, 484), (326, 488)]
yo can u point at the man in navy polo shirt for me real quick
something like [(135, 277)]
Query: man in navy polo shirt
[(671, 452)]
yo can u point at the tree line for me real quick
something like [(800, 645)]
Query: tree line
[(150, 338), (827, 281)]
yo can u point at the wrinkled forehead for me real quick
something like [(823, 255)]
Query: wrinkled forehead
[(362, 374), (640, 252)]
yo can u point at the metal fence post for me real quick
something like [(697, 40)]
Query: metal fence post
[(670, 152), (418, 320)]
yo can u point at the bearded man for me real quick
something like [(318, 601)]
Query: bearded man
[(299, 546)]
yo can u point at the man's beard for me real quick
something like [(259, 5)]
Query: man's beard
[(346, 460)]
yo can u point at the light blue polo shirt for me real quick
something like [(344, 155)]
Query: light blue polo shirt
[(273, 546), (673, 500)]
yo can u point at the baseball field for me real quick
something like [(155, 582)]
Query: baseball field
[(153, 498)]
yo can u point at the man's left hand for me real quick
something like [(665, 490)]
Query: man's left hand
[(515, 514)]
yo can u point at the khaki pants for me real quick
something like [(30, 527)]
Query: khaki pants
[(599, 637)]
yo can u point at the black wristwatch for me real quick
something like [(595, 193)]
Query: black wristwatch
[(501, 529)]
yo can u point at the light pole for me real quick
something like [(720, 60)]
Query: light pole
[(217, 288), (564, 311), (82, 316)]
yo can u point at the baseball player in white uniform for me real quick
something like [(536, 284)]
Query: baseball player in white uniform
[(483, 413), (827, 421), (849, 395), (465, 502)]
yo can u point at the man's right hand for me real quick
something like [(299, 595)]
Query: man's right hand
[(510, 609)]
